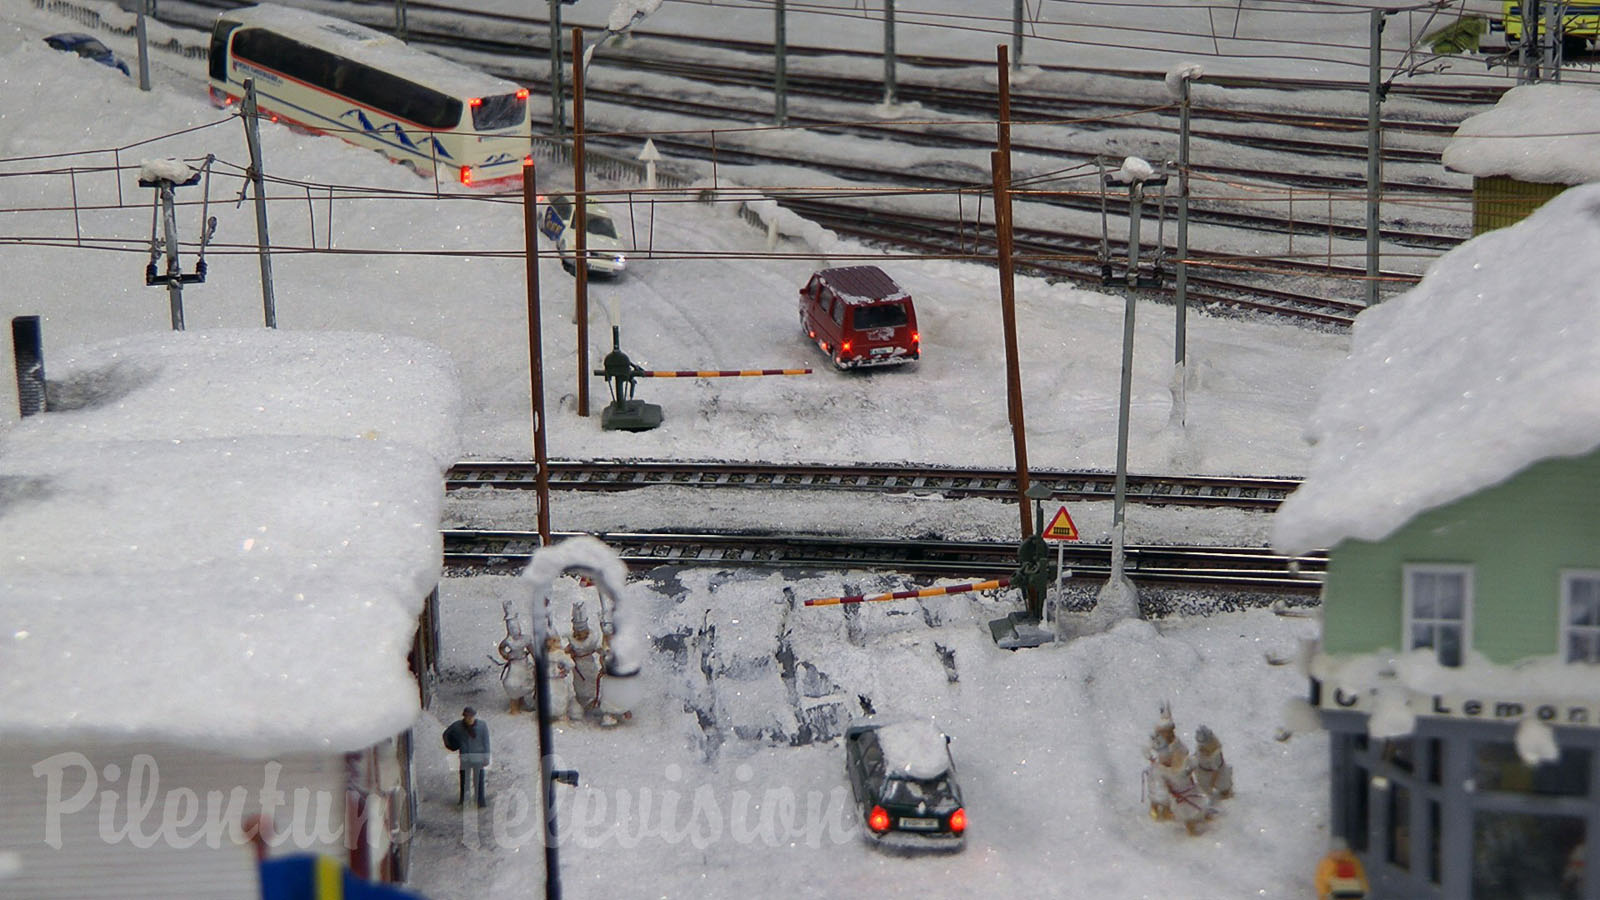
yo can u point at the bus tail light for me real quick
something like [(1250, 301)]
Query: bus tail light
[(527, 160), (466, 175)]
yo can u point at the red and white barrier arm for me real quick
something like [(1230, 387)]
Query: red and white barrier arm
[(722, 373), (906, 595)]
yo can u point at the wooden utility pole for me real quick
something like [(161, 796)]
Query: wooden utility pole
[(1000, 162), (580, 221), (530, 237)]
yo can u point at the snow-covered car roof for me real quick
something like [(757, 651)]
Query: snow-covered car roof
[(913, 749)]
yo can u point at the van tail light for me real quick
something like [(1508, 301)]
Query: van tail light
[(466, 175), (878, 819), (916, 338), (844, 347), (958, 821)]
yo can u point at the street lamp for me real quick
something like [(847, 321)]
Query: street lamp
[(602, 565)]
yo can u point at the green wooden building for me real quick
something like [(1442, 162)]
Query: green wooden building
[(1536, 142), (1456, 483)]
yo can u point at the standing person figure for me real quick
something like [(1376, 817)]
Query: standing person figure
[(469, 738), (588, 663)]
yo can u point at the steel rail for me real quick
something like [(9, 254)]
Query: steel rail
[(1216, 491), (1253, 568)]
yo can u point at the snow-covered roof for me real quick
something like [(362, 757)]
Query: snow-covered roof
[(1484, 368), (1547, 133), (913, 749), (223, 539), (862, 284), (367, 45)]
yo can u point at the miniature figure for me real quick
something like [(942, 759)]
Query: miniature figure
[(516, 662), (1173, 794), (588, 652), (1169, 780), (1212, 774)]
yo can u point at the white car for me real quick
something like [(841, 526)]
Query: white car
[(603, 247)]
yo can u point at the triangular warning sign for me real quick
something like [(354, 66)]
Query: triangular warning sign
[(1061, 527)]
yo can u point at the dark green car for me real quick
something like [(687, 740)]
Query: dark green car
[(904, 781)]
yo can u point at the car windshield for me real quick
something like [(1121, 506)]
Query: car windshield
[(883, 315), (602, 226), (910, 792), (92, 48)]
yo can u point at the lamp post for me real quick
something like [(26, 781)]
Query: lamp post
[(601, 564)]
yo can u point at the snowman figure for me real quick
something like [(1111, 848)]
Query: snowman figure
[(1212, 773), (587, 651), (1173, 793)]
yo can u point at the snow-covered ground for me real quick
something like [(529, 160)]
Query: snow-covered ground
[(705, 792)]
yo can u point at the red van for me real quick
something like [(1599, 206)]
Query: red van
[(859, 316)]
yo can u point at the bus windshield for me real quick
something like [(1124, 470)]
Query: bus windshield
[(501, 111)]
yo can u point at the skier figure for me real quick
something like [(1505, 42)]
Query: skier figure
[(1212, 774)]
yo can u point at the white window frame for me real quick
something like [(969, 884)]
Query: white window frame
[(1568, 576), (1408, 573)]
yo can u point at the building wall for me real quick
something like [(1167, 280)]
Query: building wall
[(93, 821), (1517, 536), (1498, 201), (1447, 813)]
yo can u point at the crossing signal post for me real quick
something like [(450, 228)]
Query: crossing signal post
[(628, 414), (1033, 576)]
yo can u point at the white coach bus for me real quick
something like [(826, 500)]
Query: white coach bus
[(330, 76)]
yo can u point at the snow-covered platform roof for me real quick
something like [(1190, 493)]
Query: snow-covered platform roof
[(1544, 133), (1484, 368), (223, 539)]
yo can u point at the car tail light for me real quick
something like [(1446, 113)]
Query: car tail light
[(522, 94), (466, 175), (1344, 869), (958, 821), (475, 102), (878, 819)]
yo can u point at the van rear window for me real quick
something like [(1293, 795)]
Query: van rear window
[(885, 315)]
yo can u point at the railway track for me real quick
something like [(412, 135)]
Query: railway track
[(1242, 568), (1325, 295), (1253, 493)]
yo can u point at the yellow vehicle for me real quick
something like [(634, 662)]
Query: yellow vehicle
[(1580, 23)]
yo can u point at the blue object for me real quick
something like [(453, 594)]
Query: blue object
[(311, 877), (88, 47)]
